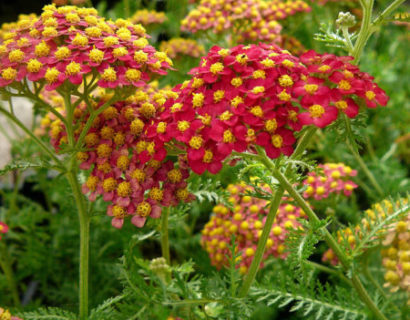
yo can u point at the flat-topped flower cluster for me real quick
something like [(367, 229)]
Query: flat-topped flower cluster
[(245, 223), (259, 95), (67, 43)]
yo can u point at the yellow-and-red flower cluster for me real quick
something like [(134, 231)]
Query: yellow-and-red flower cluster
[(4, 228), (177, 47), (258, 95), (334, 179), (147, 17), (6, 315), (67, 43), (245, 223)]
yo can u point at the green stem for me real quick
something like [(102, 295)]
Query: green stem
[(351, 144), (365, 29), (40, 143), (276, 199), (165, 236), (5, 263), (332, 243), (126, 4), (393, 6), (328, 270), (260, 250), (84, 220)]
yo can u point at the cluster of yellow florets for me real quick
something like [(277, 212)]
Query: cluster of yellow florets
[(396, 257), (147, 17), (180, 46), (6, 315), (7, 29), (245, 223)]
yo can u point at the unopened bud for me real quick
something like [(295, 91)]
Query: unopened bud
[(345, 19)]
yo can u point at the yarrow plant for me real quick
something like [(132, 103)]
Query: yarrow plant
[(141, 151)]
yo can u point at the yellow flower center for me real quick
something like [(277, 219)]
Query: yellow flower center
[(271, 125), (208, 156), (42, 49), (268, 63), (226, 115), (284, 96), (235, 102), (197, 83), (132, 75), (72, 68), (137, 126), (257, 111), (103, 150), (324, 68), (277, 141), (92, 182), (34, 65), (124, 189), (218, 95), (197, 100), (162, 127), (241, 58), (119, 52), (93, 32), (119, 212), (144, 209), (139, 175), (258, 89), (236, 82), (316, 111), (52, 75), (196, 142), (140, 56), (259, 74), (110, 41), (147, 110), (216, 67), (182, 194), (9, 74), (96, 55), (107, 132), (156, 194), (80, 40), (109, 184), (341, 104), (311, 88), (16, 55), (287, 63), (109, 75), (370, 95), (183, 125), (228, 137), (344, 85), (62, 53), (174, 175), (176, 107), (285, 81), (110, 113)]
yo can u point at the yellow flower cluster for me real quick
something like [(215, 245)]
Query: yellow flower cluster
[(396, 257), (180, 46), (147, 17)]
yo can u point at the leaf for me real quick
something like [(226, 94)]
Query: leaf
[(50, 313), (24, 165)]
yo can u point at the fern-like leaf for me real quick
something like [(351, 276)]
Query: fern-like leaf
[(49, 313)]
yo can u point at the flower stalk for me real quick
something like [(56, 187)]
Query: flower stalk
[(165, 235)]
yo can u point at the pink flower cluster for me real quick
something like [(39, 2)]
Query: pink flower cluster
[(258, 95), (245, 222), (258, 16), (178, 47), (128, 169), (67, 43), (333, 180), (147, 17), (4, 228)]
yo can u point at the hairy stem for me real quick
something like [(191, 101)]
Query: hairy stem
[(5, 263), (84, 220), (328, 270), (274, 205), (165, 235), (365, 29), (260, 250)]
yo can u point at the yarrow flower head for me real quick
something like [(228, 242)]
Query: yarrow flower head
[(128, 168), (4, 228), (148, 17), (334, 179), (245, 223), (177, 47), (396, 257), (396, 237), (67, 43)]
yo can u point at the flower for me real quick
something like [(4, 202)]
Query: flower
[(180, 46), (147, 17), (4, 228), (67, 43), (245, 223), (334, 179), (6, 315)]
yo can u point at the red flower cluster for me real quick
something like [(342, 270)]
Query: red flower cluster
[(333, 180), (245, 222), (258, 94), (4, 228), (128, 168), (67, 43)]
